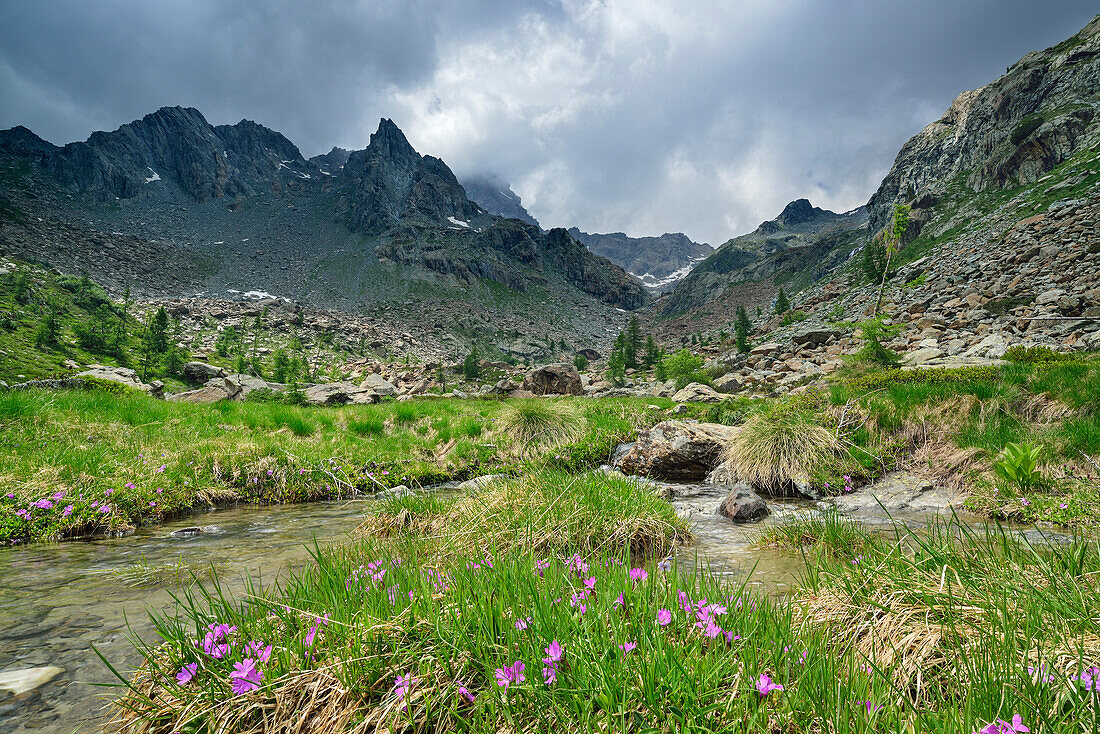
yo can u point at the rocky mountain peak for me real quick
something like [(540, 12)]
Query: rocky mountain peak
[(495, 196), (21, 141), (798, 211)]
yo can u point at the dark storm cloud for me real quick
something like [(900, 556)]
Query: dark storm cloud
[(638, 115)]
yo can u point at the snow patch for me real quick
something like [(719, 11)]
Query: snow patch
[(459, 222), (154, 177)]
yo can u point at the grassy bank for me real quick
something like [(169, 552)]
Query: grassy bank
[(74, 463), (946, 632)]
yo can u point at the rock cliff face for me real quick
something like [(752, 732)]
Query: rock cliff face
[(177, 146), (1008, 133), (657, 262), (389, 181)]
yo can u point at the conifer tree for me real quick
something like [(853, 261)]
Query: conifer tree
[(742, 327)]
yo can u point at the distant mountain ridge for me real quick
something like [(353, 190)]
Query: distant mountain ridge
[(497, 197), (657, 262)]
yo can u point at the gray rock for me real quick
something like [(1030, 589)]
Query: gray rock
[(898, 491), (204, 395), (380, 385), (698, 393), (553, 379), (482, 481), (198, 373), (814, 337), (339, 393), (742, 505), (727, 384)]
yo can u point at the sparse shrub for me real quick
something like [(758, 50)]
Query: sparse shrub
[(683, 366), (950, 375), (1019, 465), (580, 361), (1037, 355), (793, 317), (21, 288), (1025, 128)]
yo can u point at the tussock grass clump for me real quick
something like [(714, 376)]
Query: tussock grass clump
[(535, 423), (776, 448), (546, 512)]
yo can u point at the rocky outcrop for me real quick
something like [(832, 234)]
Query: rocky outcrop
[(198, 373), (896, 492), (742, 505), (553, 379), (676, 450), (339, 393), (1009, 132), (697, 392)]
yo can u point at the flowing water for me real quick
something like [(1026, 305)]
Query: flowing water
[(58, 601)]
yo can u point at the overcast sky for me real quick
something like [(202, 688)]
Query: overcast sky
[(645, 116)]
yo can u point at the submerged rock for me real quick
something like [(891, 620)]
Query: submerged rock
[(898, 491), (18, 682), (742, 505), (677, 450)]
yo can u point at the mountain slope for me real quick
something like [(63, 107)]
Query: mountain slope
[(234, 208), (1006, 134), (658, 262), (803, 241)]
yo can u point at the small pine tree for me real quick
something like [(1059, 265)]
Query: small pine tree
[(781, 302), (580, 361), (652, 352), (280, 366), (616, 368), (471, 366), (49, 329), (742, 327)]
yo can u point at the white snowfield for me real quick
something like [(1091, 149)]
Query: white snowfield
[(459, 222), (154, 177)]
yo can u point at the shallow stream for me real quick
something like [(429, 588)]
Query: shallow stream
[(58, 601)]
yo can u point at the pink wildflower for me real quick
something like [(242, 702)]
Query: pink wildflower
[(626, 647), (664, 617), (245, 676), (765, 685), (638, 574), (187, 672)]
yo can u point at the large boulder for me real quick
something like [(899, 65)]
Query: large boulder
[(380, 385), (123, 376), (339, 393), (898, 491), (742, 505), (553, 379), (203, 395), (677, 450), (199, 373), (814, 337), (697, 392)]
